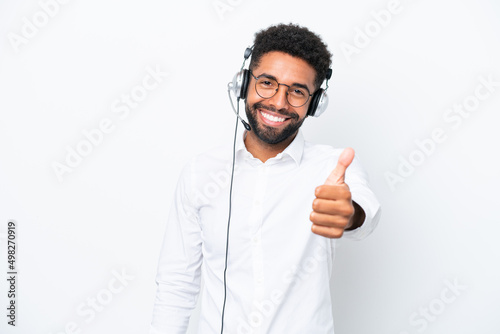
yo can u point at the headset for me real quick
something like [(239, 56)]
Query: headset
[(241, 80), (239, 88)]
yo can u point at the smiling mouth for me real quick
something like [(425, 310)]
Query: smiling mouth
[(271, 119)]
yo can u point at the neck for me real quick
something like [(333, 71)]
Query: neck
[(262, 150)]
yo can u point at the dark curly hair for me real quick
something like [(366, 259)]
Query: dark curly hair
[(296, 41)]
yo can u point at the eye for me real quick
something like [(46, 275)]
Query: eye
[(298, 92), (266, 83)]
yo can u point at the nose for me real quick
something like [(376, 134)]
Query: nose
[(279, 100)]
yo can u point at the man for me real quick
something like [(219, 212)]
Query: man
[(278, 264)]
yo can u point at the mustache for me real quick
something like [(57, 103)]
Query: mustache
[(284, 112)]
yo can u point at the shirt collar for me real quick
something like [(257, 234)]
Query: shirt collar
[(294, 150)]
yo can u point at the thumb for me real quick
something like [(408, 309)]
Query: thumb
[(337, 176)]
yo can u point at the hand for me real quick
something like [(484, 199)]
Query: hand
[(333, 210)]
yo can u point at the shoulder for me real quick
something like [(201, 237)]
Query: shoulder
[(320, 154), (326, 157), (203, 167), (320, 151), (215, 157)]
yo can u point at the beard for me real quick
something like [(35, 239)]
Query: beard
[(268, 134)]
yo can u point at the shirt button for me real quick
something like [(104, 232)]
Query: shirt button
[(255, 239)]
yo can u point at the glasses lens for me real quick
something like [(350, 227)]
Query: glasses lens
[(266, 87), (297, 96)]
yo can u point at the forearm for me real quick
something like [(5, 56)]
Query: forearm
[(174, 303), (179, 268)]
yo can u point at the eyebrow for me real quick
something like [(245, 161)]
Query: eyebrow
[(269, 76)]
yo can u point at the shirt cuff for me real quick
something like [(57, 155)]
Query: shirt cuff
[(372, 209)]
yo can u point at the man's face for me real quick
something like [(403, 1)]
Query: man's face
[(274, 120)]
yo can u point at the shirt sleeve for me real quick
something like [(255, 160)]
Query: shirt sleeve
[(357, 180), (179, 267)]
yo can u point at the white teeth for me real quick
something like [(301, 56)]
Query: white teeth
[(272, 118)]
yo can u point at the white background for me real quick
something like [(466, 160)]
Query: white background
[(108, 214)]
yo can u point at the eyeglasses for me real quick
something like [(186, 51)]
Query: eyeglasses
[(266, 87)]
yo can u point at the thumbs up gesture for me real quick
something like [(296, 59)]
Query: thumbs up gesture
[(333, 209)]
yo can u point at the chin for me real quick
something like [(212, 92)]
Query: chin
[(269, 134)]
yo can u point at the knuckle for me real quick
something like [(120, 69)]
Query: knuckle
[(336, 233), (313, 229), (312, 217), (347, 210), (320, 190), (346, 193)]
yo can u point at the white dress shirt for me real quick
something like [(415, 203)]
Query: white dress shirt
[(278, 276)]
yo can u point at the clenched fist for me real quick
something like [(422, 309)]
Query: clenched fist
[(333, 209)]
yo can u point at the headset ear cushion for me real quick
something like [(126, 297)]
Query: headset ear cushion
[(314, 102), (245, 79)]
